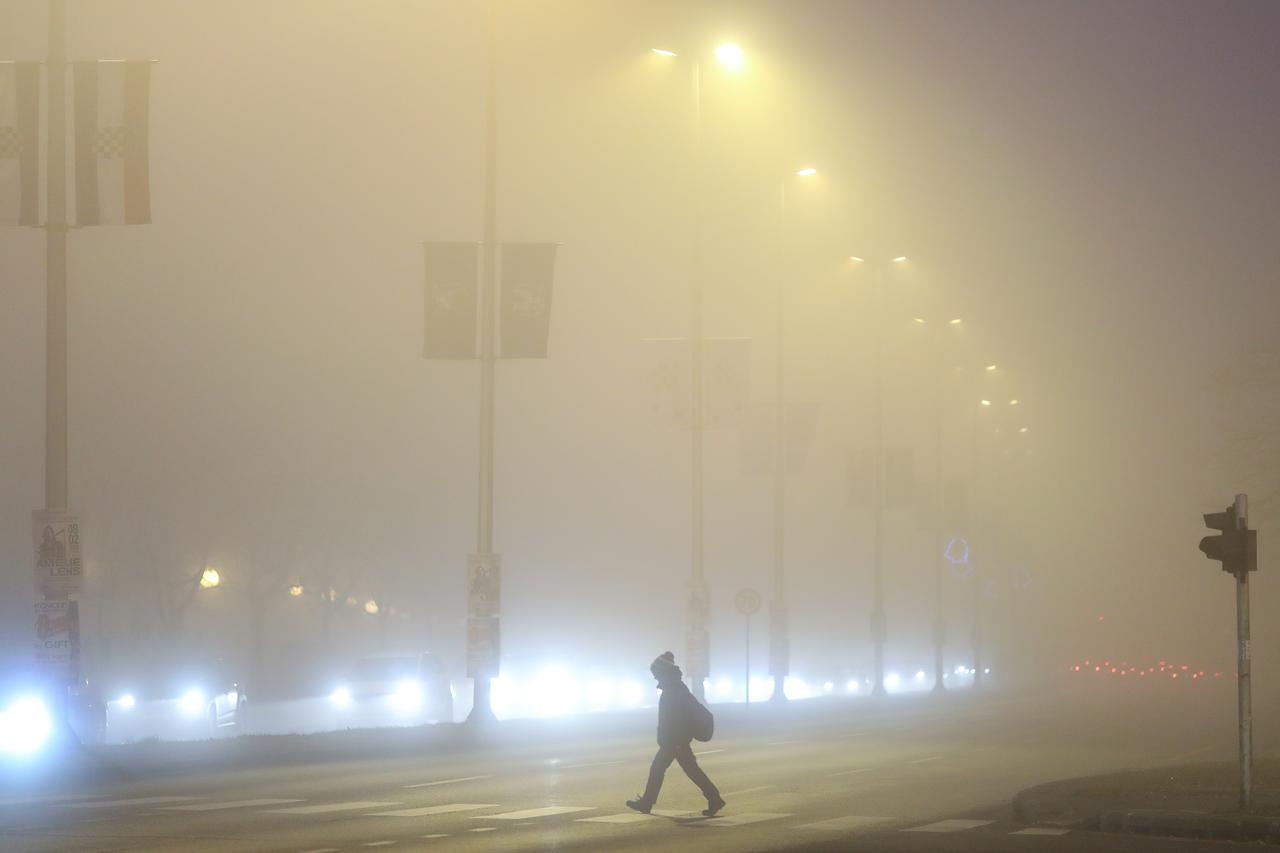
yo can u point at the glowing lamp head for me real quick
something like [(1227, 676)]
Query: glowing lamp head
[(371, 607), (731, 56), (901, 259), (662, 52), (210, 578), (806, 172), (296, 590)]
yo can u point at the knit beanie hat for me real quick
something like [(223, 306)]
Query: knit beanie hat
[(663, 662)]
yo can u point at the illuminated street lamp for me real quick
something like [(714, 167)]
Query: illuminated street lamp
[(371, 607), (210, 578), (296, 590), (698, 608)]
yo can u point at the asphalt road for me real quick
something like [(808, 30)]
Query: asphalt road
[(908, 774)]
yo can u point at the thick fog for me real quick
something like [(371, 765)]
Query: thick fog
[(1093, 188)]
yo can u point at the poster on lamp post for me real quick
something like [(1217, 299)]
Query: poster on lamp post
[(59, 570), (484, 600), (57, 636)]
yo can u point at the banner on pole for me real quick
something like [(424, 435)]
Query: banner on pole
[(110, 142), (756, 443), (59, 570), (528, 271), (19, 143), (57, 636), (452, 295), (726, 380), (483, 645)]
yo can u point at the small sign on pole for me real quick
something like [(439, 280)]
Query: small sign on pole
[(57, 637), (484, 600)]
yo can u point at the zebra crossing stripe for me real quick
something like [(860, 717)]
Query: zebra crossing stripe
[(745, 818), (625, 817), (135, 801), (1041, 830), (951, 825), (546, 811), (841, 824), (331, 807), (233, 804), (430, 810)]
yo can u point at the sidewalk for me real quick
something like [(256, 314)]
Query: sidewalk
[(1188, 801)]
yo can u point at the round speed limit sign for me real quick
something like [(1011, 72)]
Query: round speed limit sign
[(747, 601)]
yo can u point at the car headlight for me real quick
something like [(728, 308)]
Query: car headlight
[(340, 697), (192, 702), (408, 695), (125, 702), (24, 726)]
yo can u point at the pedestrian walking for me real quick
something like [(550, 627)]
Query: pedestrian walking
[(681, 718)]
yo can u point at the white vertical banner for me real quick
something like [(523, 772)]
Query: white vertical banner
[(19, 143), (59, 569), (726, 380), (668, 363)]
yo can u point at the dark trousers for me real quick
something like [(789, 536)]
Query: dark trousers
[(682, 753)]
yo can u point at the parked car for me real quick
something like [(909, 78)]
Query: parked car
[(393, 691), (189, 702)]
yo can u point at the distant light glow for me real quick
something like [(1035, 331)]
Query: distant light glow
[(985, 402), (806, 172), (856, 259), (955, 321), (920, 675), (851, 685), (632, 694), (407, 696), (892, 681), (919, 320), (828, 686), (296, 590), (340, 697), (1022, 429), (991, 367), (731, 56), (662, 52), (371, 607), (1013, 402), (126, 701), (900, 259), (210, 578), (724, 687)]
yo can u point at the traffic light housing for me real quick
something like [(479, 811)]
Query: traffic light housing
[(1236, 548)]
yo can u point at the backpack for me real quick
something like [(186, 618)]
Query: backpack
[(701, 722)]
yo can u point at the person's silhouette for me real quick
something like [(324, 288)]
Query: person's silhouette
[(675, 736)]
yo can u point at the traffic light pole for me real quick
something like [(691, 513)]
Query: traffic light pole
[(1244, 687)]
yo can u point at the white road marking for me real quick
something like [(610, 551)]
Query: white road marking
[(322, 850), (376, 843), (233, 804), (841, 824), (429, 810), (435, 835), (546, 811), (711, 751), (49, 798), (331, 807), (136, 801), (446, 781), (1041, 830), (748, 790), (745, 818), (626, 817), (926, 760), (952, 825), (848, 772), (592, 764), (483, 829), (675, 813)]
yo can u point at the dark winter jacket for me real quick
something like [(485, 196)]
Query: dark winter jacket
[(675, 724)]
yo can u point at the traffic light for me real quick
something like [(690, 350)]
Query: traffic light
[(1236, 548)]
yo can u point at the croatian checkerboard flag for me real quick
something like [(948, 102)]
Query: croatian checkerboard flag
[(19, 143), (112, 181)]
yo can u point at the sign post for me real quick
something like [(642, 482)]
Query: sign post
[(748, 602)]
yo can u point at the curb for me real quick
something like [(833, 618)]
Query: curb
[(1192, 825)]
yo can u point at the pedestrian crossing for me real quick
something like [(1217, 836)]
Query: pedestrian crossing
[(492, 817)]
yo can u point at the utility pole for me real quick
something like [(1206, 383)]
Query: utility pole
[(878, 627), (779, 651), (1244, 658), (482, 708), (55, 406), (939, 617)]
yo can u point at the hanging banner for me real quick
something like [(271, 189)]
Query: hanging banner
[(726, 380), (484, 585), (528, 271), (452, 293), (59, 568), (110, 141), (483, 647), (19, 143)]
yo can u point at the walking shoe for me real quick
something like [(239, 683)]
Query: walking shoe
[(713, 806), (638, 804)]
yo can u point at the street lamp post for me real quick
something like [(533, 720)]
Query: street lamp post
[(697, 602), (779, 629), (879, 626)]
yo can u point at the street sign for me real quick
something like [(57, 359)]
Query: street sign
[(59, 570), (57, 636), (747, 601)]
